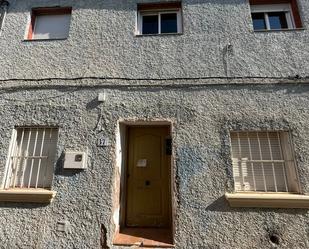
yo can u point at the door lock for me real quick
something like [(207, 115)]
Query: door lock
[(147, 183)]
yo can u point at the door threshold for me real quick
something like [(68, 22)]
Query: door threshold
[(144, 237)]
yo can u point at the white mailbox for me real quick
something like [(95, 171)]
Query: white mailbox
[(75, 160)]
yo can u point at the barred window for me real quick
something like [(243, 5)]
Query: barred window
[(31, 158), (263, 161)]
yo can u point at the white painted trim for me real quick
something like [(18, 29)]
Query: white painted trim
[(267, 21), (8, 168), (159, 22), (140, 14), (179, 22), (290, 20), (266, 8), (270, 8)]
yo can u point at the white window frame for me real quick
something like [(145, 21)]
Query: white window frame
[(286, 150), (158, 13), (266, 8), (14, 155)]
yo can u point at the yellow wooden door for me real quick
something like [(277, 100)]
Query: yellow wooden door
[(148, 178)]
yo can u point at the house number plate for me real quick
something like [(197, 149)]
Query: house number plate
[(103, 142)]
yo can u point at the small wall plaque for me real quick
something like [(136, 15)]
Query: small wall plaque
[(103, 141)]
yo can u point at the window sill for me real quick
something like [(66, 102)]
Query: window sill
[(278, 30), (42, 40), (164, 34), (27, 195), (268, 200)]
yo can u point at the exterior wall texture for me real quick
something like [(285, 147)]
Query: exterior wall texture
[(190, 79)]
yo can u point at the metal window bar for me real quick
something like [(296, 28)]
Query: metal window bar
[(40, 159), (48, 156), (284, 164), (19, 159), (25, 159), (262, 164), (261, 161), (272, 163), (30, 157), (241, 169), (252, 168), (32, 160)]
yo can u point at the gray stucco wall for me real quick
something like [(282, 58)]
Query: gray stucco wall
[(102, 43), (202, 118)]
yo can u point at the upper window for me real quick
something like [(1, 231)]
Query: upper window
[(263, 161), (49, 23), (3, 10), (159, 18), (31, 158), (274, 15)]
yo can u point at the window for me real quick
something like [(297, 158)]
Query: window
[(263, 161), (275, 15), (3, 10), (159, 18), (49, 23), (31, 158)]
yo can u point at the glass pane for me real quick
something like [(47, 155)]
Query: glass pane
[(169, 23), (258, 21), (277, 20), (51, 27), (150, 24)]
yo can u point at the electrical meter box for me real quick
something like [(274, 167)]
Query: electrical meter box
[(75, 160)]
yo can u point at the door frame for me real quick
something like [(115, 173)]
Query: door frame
[(120, 190)]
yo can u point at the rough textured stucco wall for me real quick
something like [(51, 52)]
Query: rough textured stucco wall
[(202, 118), (102, 43)]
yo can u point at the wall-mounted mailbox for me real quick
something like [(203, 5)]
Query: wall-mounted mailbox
[(75, 160)]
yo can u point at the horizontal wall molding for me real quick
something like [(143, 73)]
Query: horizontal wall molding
[(114, 83)]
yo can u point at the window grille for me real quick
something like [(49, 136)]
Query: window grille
[(31, 157), (263, 161)]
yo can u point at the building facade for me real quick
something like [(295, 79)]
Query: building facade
[(94, 94)]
